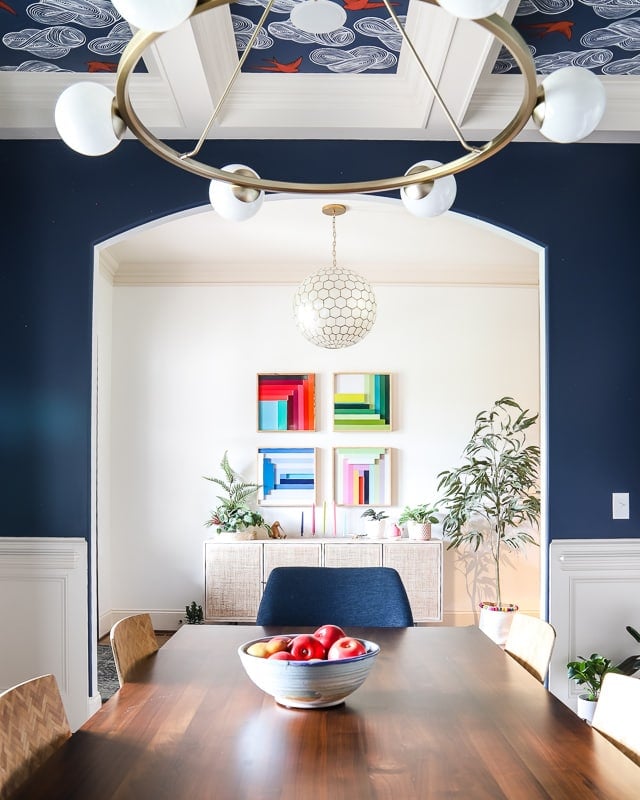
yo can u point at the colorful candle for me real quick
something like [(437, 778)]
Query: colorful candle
[(313, 519), (335, 525), (302, 524), (324, 517)]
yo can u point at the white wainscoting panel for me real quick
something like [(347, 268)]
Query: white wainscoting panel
[(594, 593), (44, 618)]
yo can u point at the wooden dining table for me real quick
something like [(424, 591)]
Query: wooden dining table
[(444, 713)]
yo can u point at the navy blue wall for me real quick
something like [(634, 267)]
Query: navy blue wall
[(578, 200)]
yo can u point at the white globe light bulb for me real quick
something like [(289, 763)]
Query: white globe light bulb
[(471, 9), (429, 199), (235, 203), (154, 15), (86, 121), (318, 16), (573, 104)]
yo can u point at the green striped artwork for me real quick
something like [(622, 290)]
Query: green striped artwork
[(361, 401)]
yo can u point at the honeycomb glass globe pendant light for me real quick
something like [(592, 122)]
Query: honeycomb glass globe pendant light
[(334, 307)]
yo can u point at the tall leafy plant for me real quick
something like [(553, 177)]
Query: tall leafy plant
[(493, 497)]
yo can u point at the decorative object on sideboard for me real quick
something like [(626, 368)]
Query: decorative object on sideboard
[(567, 106), (193, 614), (334, 307), (233, 518), (493, 499), (419, 520), (374, 523)]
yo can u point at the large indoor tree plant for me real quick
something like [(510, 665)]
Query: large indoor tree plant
[(493, 498)]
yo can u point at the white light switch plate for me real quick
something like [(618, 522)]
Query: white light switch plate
[(620, 505)]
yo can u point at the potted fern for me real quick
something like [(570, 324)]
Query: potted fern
[(493, 498), (233, 517), (418, 520)]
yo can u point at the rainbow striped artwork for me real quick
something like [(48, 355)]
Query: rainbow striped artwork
[(287, 402), (362, 476), (287, 476), (361, 401)]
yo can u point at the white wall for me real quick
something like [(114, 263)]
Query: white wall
[(184, 365)]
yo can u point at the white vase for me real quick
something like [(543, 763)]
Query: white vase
[(247, 535), (586, 708), (374, 528), (495, 621), (419, 531)]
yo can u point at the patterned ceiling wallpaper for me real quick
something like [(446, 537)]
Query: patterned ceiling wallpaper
[(89, 36)]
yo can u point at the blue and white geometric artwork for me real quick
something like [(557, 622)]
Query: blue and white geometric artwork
[(287, 476)]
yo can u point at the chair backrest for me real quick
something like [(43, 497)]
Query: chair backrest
[(530, 642), (33, 724), (344, 596), (132, 639), (617, 713)]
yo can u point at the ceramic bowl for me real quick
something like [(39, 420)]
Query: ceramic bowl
[(308, 684)]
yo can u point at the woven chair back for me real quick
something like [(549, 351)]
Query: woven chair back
[(132, 639), (530, 642), (33, 725)]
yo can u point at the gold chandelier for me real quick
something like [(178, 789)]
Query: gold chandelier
[(567, 106)]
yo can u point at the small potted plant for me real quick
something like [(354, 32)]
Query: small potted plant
[(374, 523), (234, 518), (493, 499), (194, 614), (589, 672), (419, 520)]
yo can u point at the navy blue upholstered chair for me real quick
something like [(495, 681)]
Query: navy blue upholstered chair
[(344, 596)]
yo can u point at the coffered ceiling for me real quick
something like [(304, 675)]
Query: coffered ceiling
[(358, 84)]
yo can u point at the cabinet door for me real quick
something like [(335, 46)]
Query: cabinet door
[(420, 567), (353, 554), (232, 581), (289, 554)]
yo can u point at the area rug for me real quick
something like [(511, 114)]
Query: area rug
[(107, 675)]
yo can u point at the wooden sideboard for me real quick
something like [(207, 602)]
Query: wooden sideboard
[(235, 572)]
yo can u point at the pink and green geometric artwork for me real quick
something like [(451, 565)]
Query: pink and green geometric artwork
[(287, 476), (361, 401), (287, 402), (362, 476)]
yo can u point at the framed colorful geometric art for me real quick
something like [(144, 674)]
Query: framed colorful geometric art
[(287, 476), (287, 402), (362, 476), (361, 401)]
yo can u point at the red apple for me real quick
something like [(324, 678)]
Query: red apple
[(281, 655), (328, 634), (347, 647), (305, 647)]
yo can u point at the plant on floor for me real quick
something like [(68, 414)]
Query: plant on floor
[(373, 515), (233, 513), (194, 614), (590, 672), (423, 514), (493, 497)]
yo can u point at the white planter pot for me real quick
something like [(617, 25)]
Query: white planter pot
[(419, 531), (237, 536), (375, 528), (586, 708), (495, 622)]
